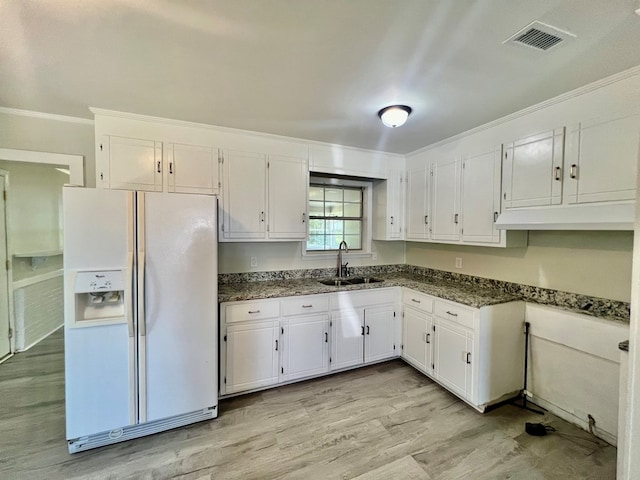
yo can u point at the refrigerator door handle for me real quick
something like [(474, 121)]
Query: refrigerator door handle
[(142, 324)]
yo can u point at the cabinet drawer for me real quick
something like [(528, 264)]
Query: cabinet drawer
[(417, 300), (304, 305), (455, 313), (258, 310)]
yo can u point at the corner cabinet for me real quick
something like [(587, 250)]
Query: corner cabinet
[(154, 166), (476, 353), (264, 197)]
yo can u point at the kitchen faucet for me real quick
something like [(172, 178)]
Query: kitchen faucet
[(342, 267)]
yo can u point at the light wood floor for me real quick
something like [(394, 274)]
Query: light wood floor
[(381, 422)]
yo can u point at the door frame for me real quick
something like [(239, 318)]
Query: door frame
[(75, 164)]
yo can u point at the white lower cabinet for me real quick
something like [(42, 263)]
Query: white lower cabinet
[(476, 353), (251, 355), (267, 342), (305, 346), (453, 354)]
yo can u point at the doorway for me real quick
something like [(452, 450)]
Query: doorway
[(6, 331)]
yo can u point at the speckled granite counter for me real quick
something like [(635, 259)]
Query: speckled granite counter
[(471, 296), (465, 289)]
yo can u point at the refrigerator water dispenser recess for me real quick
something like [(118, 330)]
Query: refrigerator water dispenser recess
[(100, 297)]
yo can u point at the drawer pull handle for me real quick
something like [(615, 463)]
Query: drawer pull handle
[(469, 358), (307, 306), (254, 311), (326, 337), (414, 300), (452, 314)]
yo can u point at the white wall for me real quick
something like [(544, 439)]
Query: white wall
[(50, 135), (589, 263), (235, 257), (34, 206), (574, 366)]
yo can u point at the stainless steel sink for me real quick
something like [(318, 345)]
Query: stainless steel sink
[(339, 282)]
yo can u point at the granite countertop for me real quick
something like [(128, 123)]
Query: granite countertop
[(470, 295)]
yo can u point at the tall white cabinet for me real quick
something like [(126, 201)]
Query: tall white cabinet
[(418, 203)]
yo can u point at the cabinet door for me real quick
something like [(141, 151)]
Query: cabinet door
[(532, 170), (288, 185), (244, 206), (305, 347), (452, 357), (192, 169), (347, 332), (417, 218), (379, 325), (417, 338), (602, 157), (446, 198), (134, 164), (480, 199), (252, 355)]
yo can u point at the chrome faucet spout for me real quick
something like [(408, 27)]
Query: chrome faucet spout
[(340, 265)]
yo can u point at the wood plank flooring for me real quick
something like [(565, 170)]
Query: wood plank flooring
[(381, 422)]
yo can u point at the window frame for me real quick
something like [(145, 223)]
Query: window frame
[(367, 199)]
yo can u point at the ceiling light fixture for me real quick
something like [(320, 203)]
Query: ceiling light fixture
[(394, 115)]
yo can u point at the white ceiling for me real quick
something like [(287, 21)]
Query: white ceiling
[(313, 69)]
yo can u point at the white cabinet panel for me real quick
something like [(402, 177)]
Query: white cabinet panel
[(192, 169), (417, 338), (244, 195), (388, 211), (446, 195), (481, 196), (288, 185), (379, 333), (417, 212), (305, 346), (252, 354), (602, 157), (532, 170), (347, 331), (453, 356), (133, 164)]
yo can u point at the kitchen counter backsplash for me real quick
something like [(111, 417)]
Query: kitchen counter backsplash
[(594, 306)]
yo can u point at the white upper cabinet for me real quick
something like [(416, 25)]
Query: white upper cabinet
[(446, 200), (417, 211), (288, 188), (251, 178), (130, 164), (245, 199), (601, 160), (388, 207), (480, 200), (191, 168), (532, 170)]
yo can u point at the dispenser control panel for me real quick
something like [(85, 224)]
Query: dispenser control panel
[(102, 281)]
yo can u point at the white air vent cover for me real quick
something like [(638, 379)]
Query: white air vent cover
[(540, 36)]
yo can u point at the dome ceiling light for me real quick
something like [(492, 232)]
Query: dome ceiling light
[(394, 115)]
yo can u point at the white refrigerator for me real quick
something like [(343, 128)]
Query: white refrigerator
[(141, 313)]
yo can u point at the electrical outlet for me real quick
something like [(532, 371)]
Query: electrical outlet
[(254, 261), (374, 256), (458, 262)]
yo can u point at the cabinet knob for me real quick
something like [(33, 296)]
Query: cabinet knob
[(573, 171), (426, 219), (455, 218), (468, 358), (558, 172), (495, 217), (304, 217), (159, 167)]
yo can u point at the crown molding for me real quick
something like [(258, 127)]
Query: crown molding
[(45, 116), (603, 82)]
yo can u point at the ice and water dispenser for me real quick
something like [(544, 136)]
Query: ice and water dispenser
[(99, 297)]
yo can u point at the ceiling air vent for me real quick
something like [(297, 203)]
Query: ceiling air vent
[(540, 36)]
